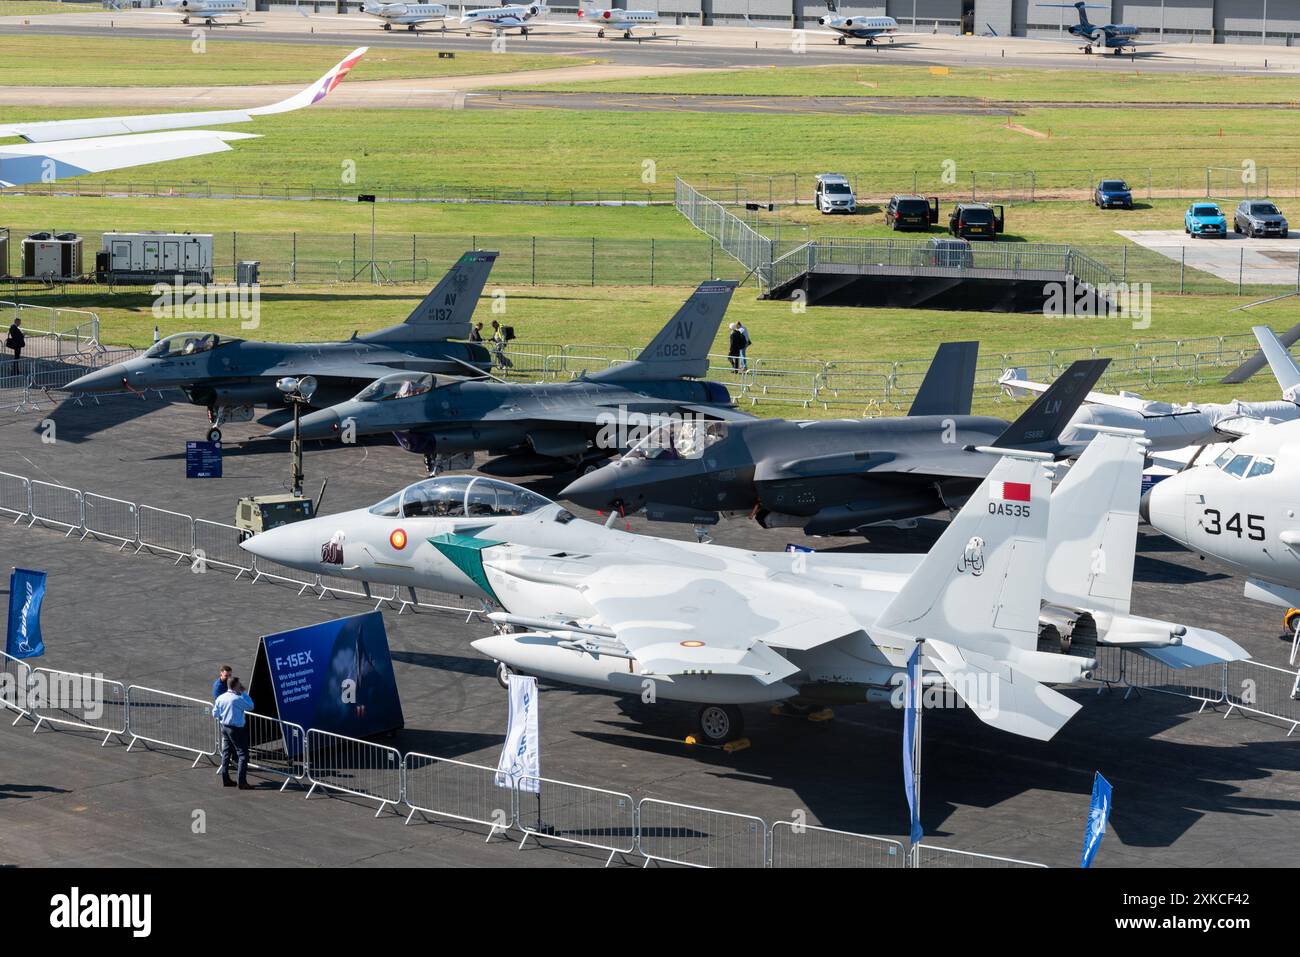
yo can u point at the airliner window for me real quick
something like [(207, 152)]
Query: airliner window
[(183, 344), (435, 498), (402, 385), (1261, 467), (490, 498), (1237, 467), (679, 440)]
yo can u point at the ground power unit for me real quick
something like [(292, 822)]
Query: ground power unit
[(52, 257), (150, 257)]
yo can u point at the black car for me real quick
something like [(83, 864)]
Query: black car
[(1257, 217), (1112, 193), (975, 221), (911, 212)]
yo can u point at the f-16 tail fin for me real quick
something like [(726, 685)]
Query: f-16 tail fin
[(681, 349), (1093, 526), (1039, 427), (1257, 361), (950, 381), (446, 311)]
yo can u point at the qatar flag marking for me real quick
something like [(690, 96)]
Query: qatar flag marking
[(1011, 491)]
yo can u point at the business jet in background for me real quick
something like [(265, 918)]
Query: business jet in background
[(611, 18), (1108, 36), (409, 15), (207, 10), (60, 149), (509, 17), (870, 30)]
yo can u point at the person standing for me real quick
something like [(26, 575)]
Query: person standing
[(476, 333), (15, 341), (220, 685), (230, 709), (744, 349), (736, 347)]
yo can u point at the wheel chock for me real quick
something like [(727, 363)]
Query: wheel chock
[(740, 744)]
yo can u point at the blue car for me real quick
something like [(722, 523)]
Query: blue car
[(1111, 193), (1204, 219)]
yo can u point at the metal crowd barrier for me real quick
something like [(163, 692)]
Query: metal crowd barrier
[(62, 698), (459, 790), (57, 506), (693, 836), (276, 747), (352, 766), (576, 814), (1204, 684), (791, 844), (15, 681), (15, 496), (1248, 684), (160, 530), (927, 855), (111, 518), (171, 721), (216, 543)]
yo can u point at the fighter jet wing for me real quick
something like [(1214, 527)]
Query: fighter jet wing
[(60, 149), (951, 464), (681, 620)]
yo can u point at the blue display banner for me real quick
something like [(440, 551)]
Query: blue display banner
[(202, 460), (26, 594), (1098, 815), (335, 676)]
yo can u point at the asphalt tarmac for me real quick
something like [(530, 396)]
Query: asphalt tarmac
[(1190, 790)]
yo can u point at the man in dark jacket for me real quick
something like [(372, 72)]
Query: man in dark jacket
[(15, 341), (736, 345)]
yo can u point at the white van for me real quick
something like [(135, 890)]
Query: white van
[(834, 194)]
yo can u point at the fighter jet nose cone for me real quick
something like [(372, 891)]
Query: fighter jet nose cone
[(100, 380), (284, 432), (593, 490)]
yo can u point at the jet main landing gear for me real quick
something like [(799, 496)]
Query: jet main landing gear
[(720, 723)]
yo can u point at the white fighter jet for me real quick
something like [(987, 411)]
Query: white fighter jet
[(1017, 594), (1242, 508), (1167, 426), (59, 149)]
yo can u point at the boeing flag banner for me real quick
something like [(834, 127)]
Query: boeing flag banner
[(1098, 815), (520, 755), (26, 593), (335, 676), (911, 709)]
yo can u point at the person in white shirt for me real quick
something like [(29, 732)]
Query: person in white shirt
[(229, 709)]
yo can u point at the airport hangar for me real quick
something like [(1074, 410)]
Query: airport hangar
[(1276, 22)]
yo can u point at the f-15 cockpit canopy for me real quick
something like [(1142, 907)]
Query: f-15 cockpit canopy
[(460, 496), (678, 439), (402, 385), (187, 344)]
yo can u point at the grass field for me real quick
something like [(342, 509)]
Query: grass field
[(87, 214), (97, 61), (556, 148), (1109, 85), (18, 8)]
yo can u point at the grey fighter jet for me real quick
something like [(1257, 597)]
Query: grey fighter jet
[(836, 476), (549, 427), (230, 376)]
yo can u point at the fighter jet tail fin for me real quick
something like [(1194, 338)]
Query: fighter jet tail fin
[(681, 349), (1039, 427), (949, 382), (1257, 361), (1093, 525), (446, 311), (1279, 360), (982, 581)]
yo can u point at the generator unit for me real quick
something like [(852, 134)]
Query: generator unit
[(52, 257), (150, 257)]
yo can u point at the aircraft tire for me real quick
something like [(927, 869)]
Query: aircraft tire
[(720, 723), (840, 40), (503, 675), (214, 435), (601, 34)]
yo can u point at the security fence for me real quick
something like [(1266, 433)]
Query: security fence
[(202, 543), (171, 721), (927, 855), (881, 386), (946, 181)]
